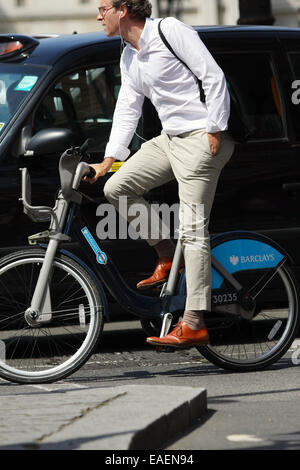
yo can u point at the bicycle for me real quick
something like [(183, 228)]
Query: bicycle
[(53, 304)]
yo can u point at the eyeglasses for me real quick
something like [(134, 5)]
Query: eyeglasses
[(103, 10)]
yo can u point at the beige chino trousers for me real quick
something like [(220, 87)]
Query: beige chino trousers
[(188, 158)]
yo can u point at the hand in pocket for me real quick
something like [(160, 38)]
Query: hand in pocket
[(214, 141)]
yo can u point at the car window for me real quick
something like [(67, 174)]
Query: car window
[(253, 83), (16, 84), (84, 102)]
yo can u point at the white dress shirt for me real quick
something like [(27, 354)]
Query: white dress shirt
[(154, 72)]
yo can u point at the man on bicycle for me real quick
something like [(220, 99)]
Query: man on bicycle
[(193, 146)]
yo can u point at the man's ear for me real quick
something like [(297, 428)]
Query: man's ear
[(123, 12)]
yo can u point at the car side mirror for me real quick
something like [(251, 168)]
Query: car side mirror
[(47, 141)]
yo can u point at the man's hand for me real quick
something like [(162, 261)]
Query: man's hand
[(101, 169), (214, 141)]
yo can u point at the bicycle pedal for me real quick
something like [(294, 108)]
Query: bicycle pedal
[(165, 349)]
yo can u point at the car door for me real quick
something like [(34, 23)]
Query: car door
[(18, 85), (250, 194)]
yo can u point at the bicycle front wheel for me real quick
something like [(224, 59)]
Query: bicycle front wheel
[(72, 319)]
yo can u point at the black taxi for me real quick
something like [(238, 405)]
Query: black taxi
[(53, 83)]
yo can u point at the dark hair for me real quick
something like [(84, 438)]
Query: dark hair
[(138, 9)]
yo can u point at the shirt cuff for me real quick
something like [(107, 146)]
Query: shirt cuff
[(212, 128), (220, 125), (119, 152)]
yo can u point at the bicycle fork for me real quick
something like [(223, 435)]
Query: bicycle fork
[(40, 308)]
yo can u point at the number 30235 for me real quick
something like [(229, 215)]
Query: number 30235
[(224, 298)]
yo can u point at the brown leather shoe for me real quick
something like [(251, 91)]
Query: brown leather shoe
[(182, 337), (160, 274)]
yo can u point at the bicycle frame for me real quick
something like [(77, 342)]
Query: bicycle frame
[(66, 223), (141, 305), (147, 307)]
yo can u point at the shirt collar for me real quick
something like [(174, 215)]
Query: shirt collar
[(146, 33), (145, 36)]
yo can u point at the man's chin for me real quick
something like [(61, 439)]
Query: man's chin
[(108, 32)]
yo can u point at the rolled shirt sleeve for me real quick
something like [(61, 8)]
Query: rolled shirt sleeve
[(126, 117)]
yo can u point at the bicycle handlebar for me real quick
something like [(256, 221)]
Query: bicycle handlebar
[(71, 170), (88, 171), (83, 169), (85, 146), (92, 172)]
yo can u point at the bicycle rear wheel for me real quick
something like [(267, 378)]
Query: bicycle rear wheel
[(252, 328), (256, 330), (71, 326)]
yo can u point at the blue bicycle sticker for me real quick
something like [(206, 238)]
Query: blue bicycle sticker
[(244, 255), (100, 255)]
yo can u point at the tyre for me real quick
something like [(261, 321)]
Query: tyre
[(72, 319), (252, 328)]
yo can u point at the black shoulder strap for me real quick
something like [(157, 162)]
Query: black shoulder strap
[(167, 44)]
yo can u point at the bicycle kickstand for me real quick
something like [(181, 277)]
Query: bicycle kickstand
[(167, 321), (169, 289)]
